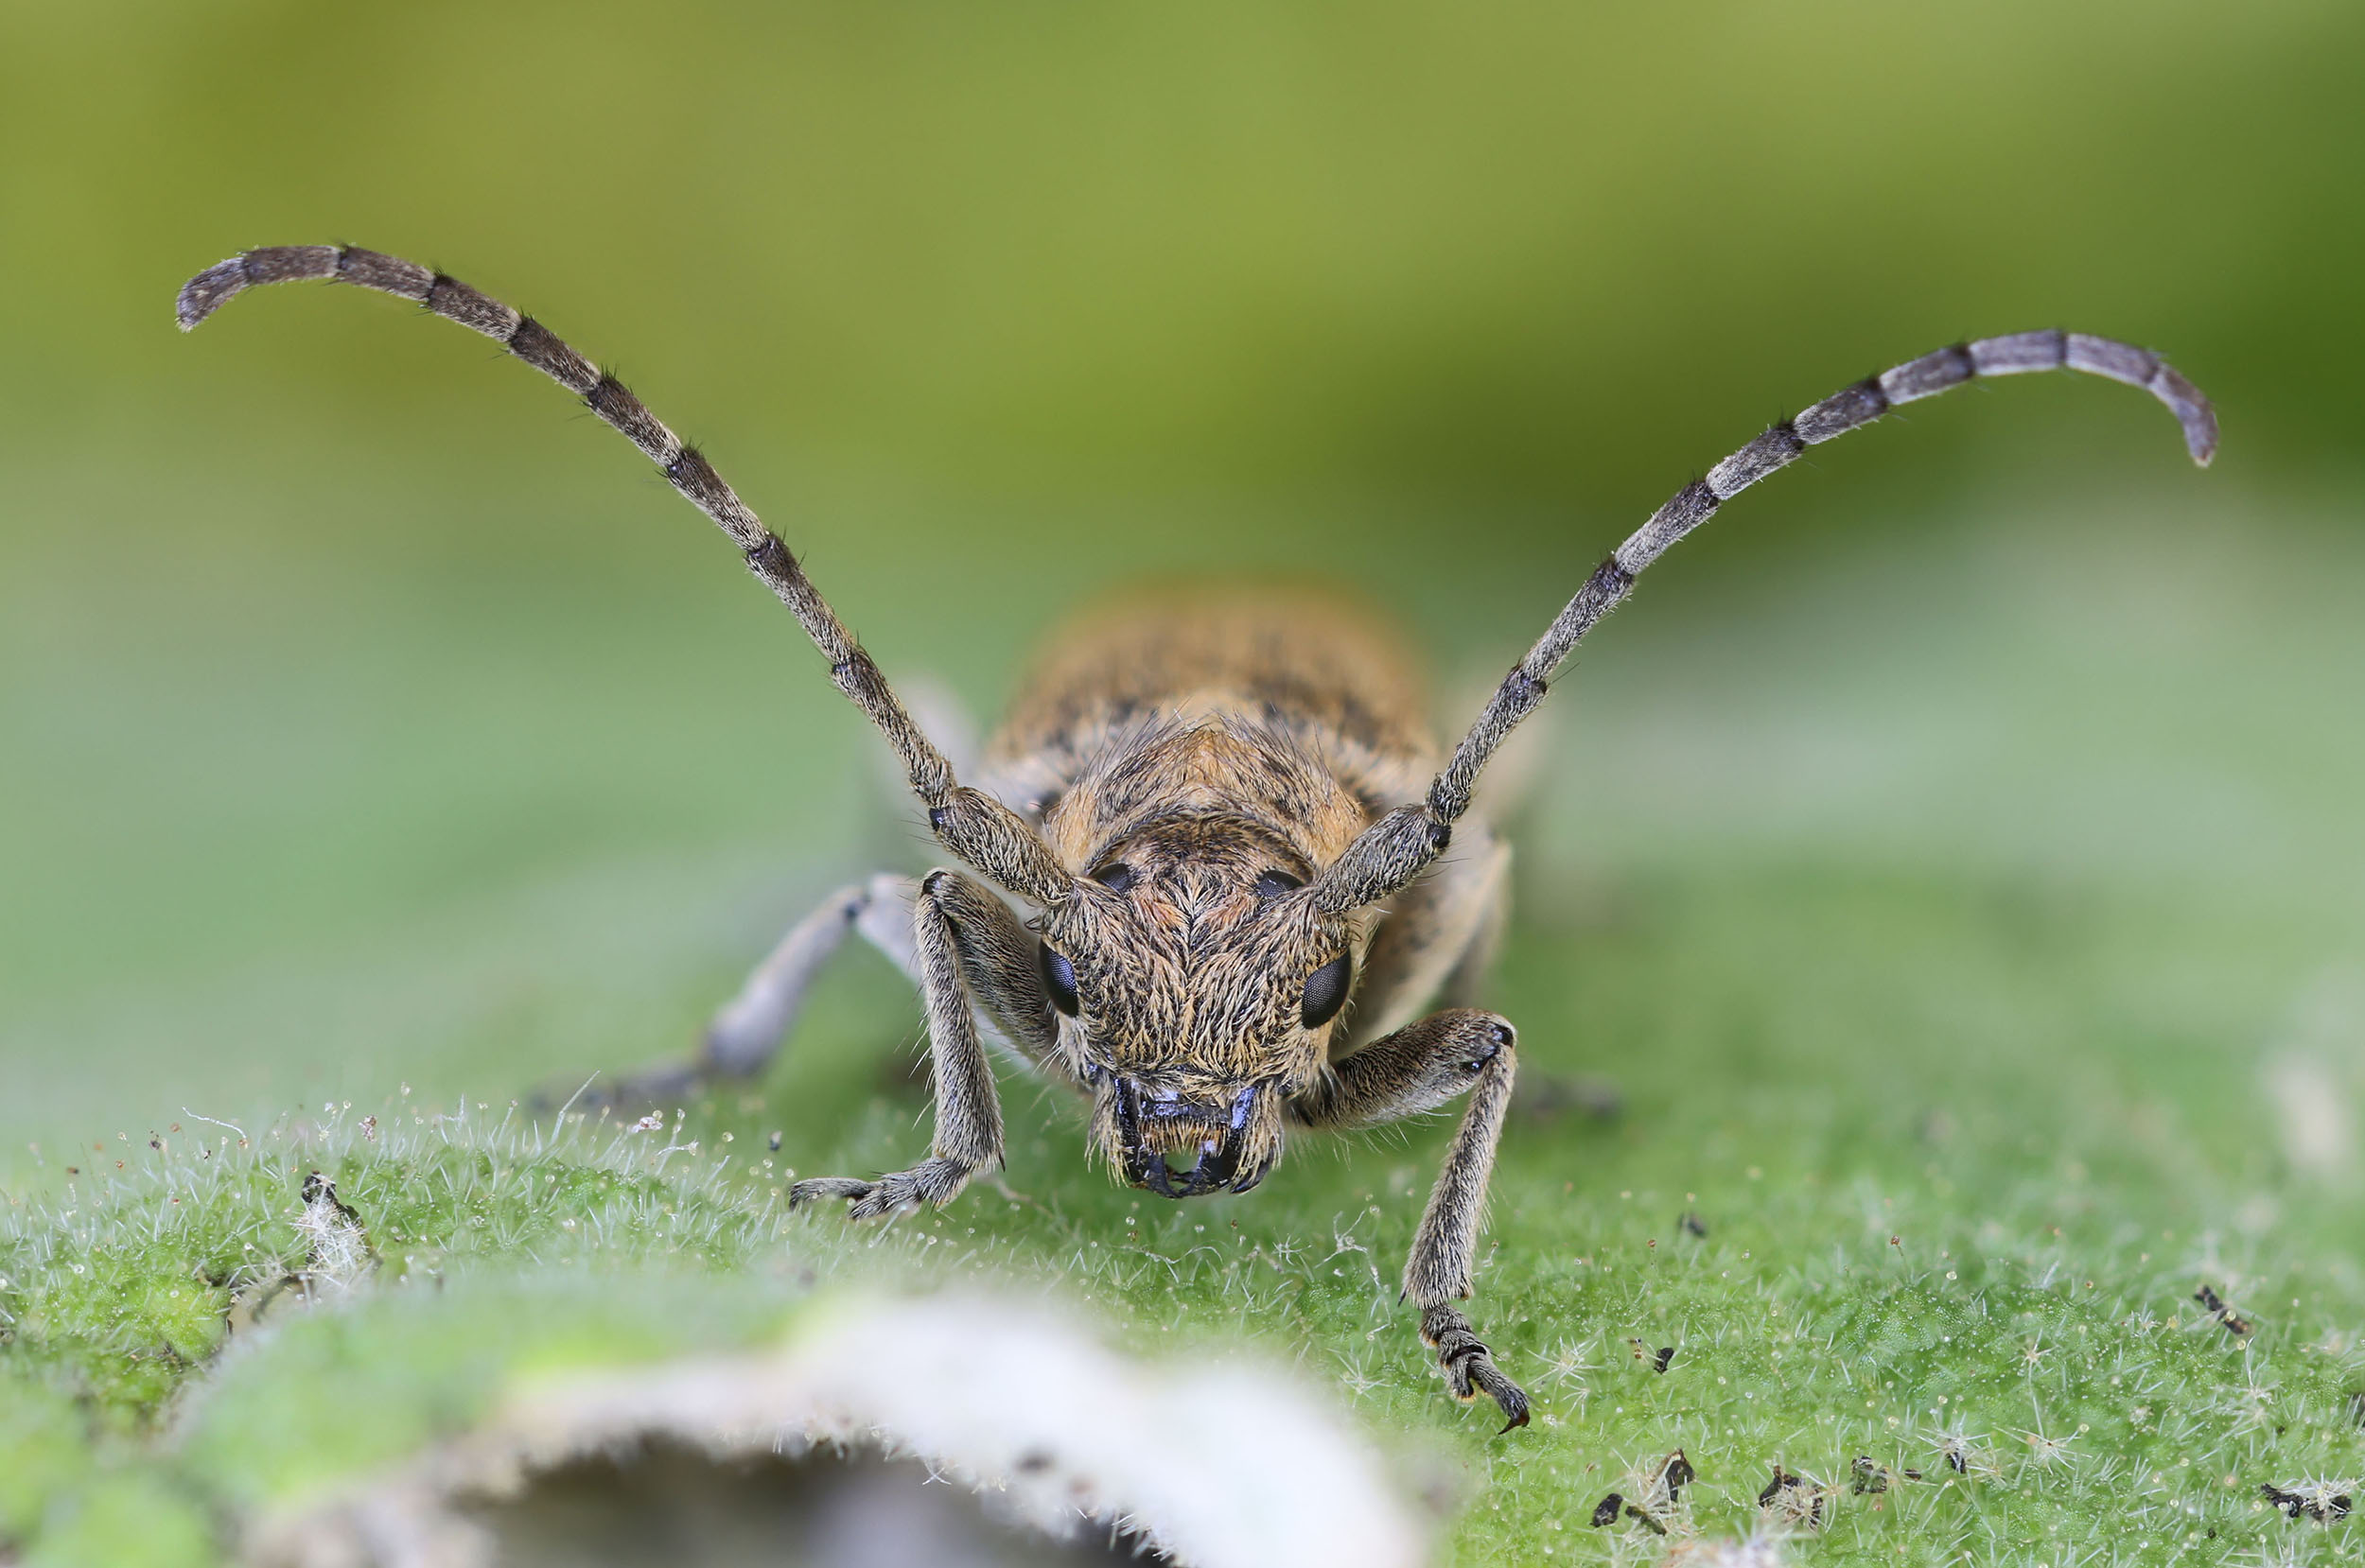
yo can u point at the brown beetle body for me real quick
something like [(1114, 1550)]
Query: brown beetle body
[(1215, 823), (1209, 753)]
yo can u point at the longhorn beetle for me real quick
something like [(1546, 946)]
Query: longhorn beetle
[(1221, 821)]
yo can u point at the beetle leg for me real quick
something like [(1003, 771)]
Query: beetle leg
[(1418, 1069), (969, 944), (744, 1033), (997, 965)]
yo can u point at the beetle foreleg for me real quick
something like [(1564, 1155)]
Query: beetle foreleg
[(998, 966), (967, 943), (1418, 1069)]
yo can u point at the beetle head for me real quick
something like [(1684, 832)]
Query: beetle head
[(1199, 985)]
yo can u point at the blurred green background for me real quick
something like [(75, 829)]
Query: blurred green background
[(367, 715), (1956, 845)]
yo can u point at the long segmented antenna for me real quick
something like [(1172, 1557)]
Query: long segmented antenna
[(1400, 846), (972, 824)]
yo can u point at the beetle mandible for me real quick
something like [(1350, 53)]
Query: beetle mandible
[(1224, 822)]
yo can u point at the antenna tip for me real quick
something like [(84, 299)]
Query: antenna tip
[(209, 291), (2191, 410), (2200, 425)]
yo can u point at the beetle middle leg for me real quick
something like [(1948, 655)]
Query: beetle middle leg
[(973, 955), (1418, 1069), (745, 1033)]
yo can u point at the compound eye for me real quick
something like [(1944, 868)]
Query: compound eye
[(1058, 978), (1326, 990), (1272, 884)]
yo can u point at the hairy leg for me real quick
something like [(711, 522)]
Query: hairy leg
[(1415, 1069), (746, 1033), (971, 950), (999, 967)]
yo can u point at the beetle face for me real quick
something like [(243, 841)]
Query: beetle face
[(1198, 989)]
